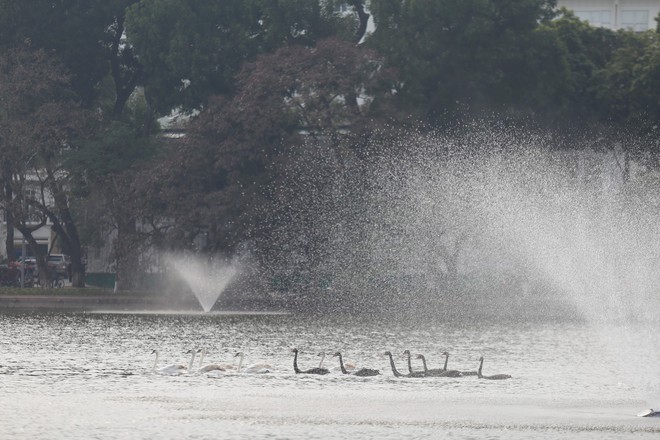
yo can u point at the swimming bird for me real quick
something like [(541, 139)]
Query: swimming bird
[(192, 353), (494, 376), (396, 372), (450, 373), (410, 370), (259, 368), (171, 369), (649, 413), (362, 372), (322, 354), (350, 367), (310, 371), (438, 372), (219, 368)]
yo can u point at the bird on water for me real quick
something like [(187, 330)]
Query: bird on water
[(412, 373), (438, 372), (494, 376), (310, 371), (362, 372), (396, 372)]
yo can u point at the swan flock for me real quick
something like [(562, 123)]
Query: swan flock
[(344, 368)]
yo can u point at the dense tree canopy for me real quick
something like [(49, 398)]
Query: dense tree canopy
[(471, 52), (280, 93), (193, 49)]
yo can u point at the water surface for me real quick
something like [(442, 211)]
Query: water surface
[(80, 376)]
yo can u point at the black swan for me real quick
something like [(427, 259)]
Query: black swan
[(494, 376), (394, 370), (310, 371), (451, 373), (362, 372), (412, 373), (438, 372)]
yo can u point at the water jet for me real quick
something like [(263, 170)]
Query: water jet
[(206, 277)]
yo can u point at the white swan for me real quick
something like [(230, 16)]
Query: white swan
[(208, 368), (172, 369), (349, 366), (260, 368), (322, 354)]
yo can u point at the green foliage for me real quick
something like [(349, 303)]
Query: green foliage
[(221, 181), (459, 52), (192, 50), (80, 32)]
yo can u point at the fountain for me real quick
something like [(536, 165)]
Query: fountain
[(207, 277), (566, 223), (500, 222), (448, 234)]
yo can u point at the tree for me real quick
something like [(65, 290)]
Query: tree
[(40, 119), (627, 91), (87, 35), (587, 49), (228, 179), (454, 53), (192, 50)]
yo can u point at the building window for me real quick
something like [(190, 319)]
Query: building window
[(637, 21), (596, 18)]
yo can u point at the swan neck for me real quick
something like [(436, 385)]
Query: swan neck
[(322, 359), (341, 364), (201, 357), (155, 361), (192, 361), (394, 371), (409, 364), (424, 362), (481, 364), (295, 362), (446, 361), (240, 362)]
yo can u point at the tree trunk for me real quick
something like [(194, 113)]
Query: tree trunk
[(66, 230), (363, 17), (9, 217)]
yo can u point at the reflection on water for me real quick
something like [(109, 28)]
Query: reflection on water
[(89, 375)]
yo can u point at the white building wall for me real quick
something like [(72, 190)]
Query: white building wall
[(637, 15)]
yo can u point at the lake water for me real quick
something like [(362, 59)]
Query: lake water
[(81, 376)]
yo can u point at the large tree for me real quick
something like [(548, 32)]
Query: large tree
[(463, 53), (87, 35), (228, 179), (192, 50), (41, 117)]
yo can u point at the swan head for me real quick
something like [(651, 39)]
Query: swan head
[(154, 351), (321, 353), (406, 352), (240, 353), (336, 354), (444, 353), (387, 353), (294, 350), (419, 356), (481, 359)]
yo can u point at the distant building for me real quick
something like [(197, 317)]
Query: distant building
[(45, 236), (635, 15)]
